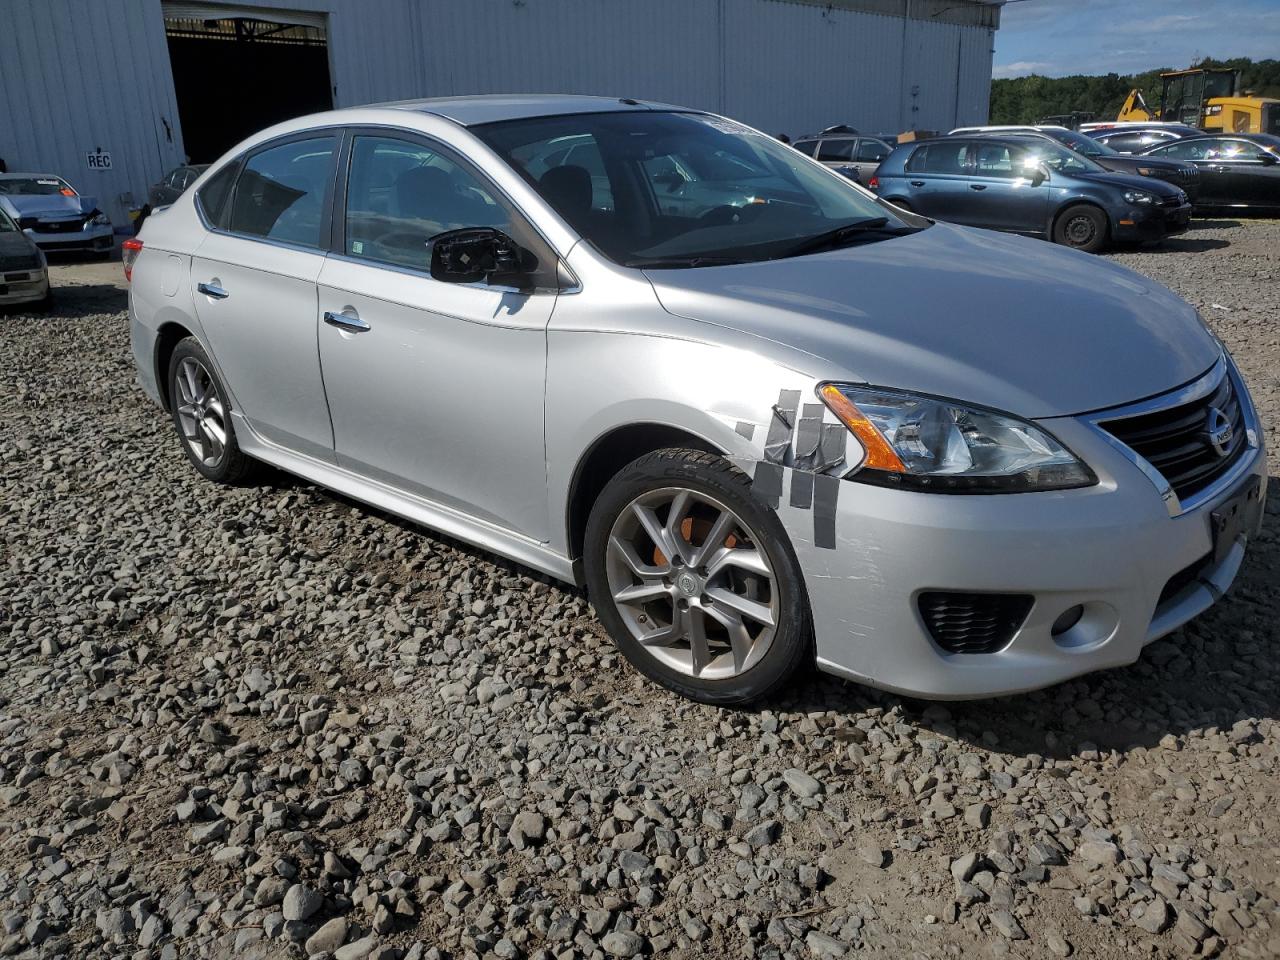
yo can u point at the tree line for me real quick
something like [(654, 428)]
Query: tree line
[(1027, 99)]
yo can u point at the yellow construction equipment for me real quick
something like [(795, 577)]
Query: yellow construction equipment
[(1206, 98)]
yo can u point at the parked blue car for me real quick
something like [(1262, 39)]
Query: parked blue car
[(1029, 185)]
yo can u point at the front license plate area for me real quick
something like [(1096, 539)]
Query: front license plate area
[(1239, 515)]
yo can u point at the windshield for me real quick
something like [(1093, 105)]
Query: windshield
[(1061, 159), (35, 187), (1081, 144), (654, 188)]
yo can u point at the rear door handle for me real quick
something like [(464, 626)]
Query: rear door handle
[(917, 183), (345, 321), (212, 290), (977, 186)]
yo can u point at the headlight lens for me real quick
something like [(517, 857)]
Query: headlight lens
[(101, 220), (927, 443), (1137, 196)]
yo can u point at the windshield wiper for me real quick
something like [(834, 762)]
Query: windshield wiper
[(694, 260), (850, 231)]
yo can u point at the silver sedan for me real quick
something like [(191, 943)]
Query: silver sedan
[(765, 418)]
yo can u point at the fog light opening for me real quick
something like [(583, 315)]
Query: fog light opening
[(1066, 620)]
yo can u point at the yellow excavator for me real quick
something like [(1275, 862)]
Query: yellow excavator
[(1206, 98)]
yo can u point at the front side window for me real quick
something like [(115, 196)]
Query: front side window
[(994, 160), (1059, 158), (684, 189), (280, 192), (1235, 150), (401, 194), (807, 147)]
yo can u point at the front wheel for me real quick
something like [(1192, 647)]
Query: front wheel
[(695, 579), (1081, 227)]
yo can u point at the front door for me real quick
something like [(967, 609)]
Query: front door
[(253, 281), (434, 388), (1001, 192)]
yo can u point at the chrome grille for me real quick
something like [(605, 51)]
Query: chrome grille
[(1177, 440)]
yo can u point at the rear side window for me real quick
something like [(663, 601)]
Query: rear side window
[(837, 149), (1182, 150), (871, 151), (212, 197), (280, 192), (807, 147), (938, 158)]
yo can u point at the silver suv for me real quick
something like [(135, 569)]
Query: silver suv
[(764, 417)]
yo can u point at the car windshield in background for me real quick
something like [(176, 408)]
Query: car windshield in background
[(685, 189), (1082, 144), (35, 187)]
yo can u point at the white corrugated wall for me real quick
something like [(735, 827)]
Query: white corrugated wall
[(77, 75)]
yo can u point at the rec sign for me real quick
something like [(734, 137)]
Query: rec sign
[(98, 160)]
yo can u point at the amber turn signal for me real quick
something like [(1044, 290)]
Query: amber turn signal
[(879, 454)]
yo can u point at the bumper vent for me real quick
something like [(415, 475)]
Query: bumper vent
[(973, 622), (1186, 443)]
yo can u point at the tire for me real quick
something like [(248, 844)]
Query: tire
[(199, 422), (761, 577), (45, 303), (1081, 227)]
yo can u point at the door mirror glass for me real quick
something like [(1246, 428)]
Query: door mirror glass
[(481, 255)]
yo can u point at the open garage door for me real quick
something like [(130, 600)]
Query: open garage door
[(238, 69)]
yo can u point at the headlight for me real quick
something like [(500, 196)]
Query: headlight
[(1137, 196), (927, 443), (101, 220)]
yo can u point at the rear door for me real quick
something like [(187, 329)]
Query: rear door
[(936, 183), (434, 388), (868, 156), (254, 285)]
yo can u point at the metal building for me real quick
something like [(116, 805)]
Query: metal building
[(112, 93)]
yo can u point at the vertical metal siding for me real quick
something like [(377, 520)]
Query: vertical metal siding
[(84, 74), (89, 73)]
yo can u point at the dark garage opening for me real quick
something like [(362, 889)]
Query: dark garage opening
[(235, 76)]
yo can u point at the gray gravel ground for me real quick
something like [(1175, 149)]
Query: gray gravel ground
[(268, 722)]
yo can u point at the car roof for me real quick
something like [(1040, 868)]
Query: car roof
[(492, 108), (30, 176)]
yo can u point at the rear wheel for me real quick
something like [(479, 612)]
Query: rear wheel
[(202, 415), (1081, 227), (695, 579)]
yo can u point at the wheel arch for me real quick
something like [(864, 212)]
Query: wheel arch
[(168, 336), (608, 454), (1066, 205)]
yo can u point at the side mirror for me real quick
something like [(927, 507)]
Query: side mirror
[(1268, 159), (481, 254), (1038, 175)]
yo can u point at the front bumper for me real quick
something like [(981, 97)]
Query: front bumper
[(95, 239), (23, 286), (1113, 548), (1151, 223)]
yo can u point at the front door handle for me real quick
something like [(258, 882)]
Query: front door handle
[(345, 321), (977, 186), (917, 183), (212, 290)]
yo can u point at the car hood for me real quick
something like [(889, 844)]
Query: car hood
[(52, 206), (1134, 181), (1002, 321), (15, 243)]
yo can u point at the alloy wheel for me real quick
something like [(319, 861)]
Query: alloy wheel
[(201, 412), (692, 583)]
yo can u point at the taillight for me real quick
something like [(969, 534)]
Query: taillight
[(874, 183), (129, 251)]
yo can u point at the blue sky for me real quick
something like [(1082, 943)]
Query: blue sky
[(1061, 37)]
